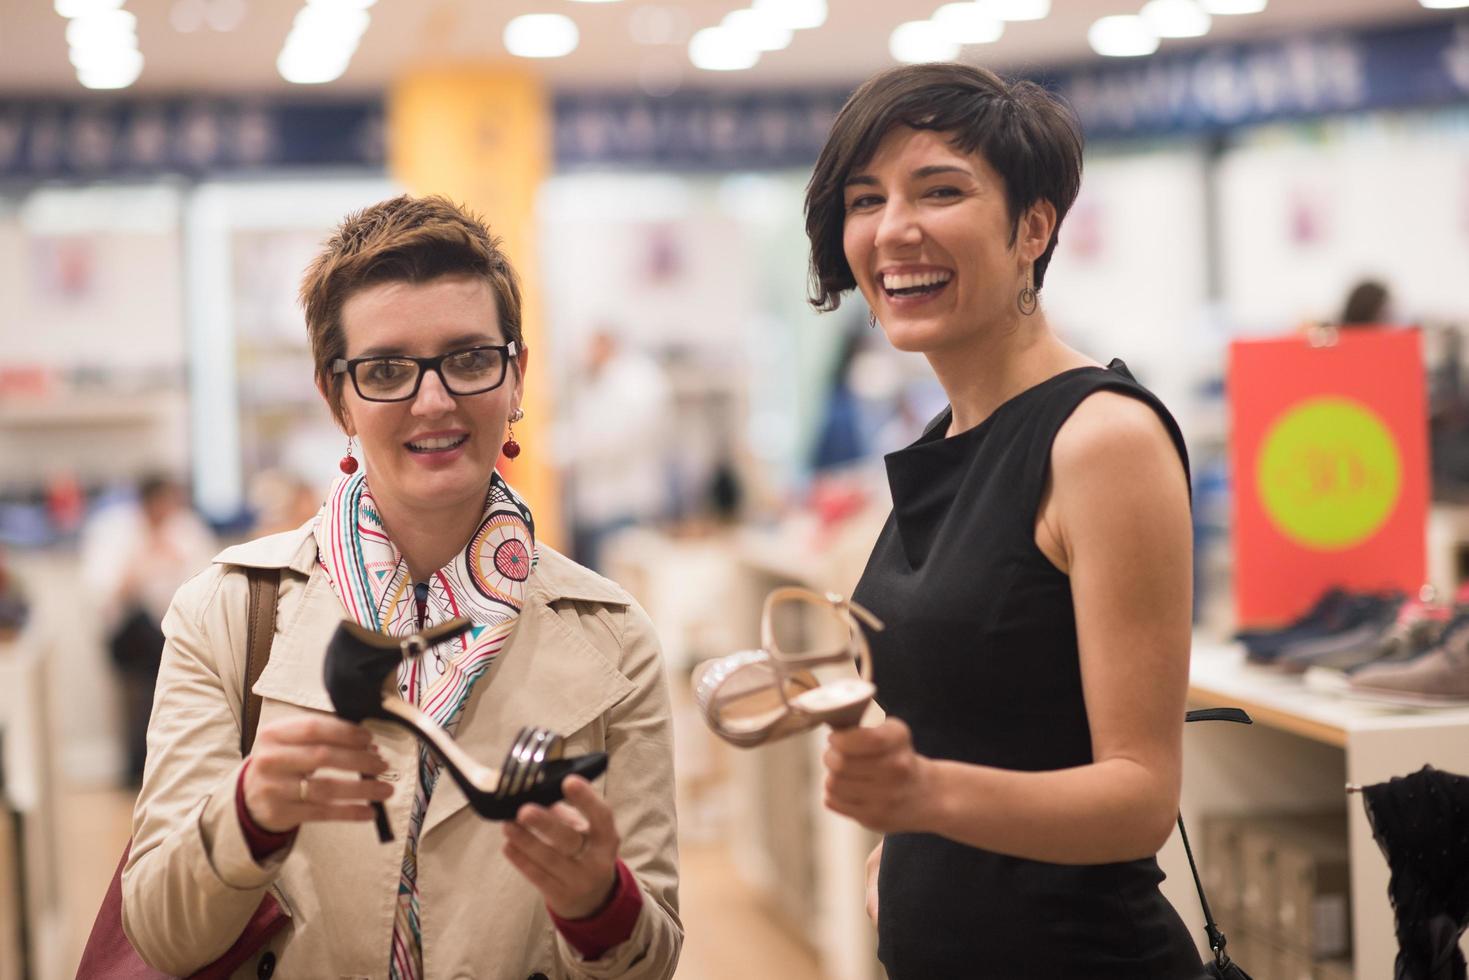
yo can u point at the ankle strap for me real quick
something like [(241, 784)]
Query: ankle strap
[(854, 615)]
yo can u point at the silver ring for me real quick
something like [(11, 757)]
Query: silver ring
[(301, 789)]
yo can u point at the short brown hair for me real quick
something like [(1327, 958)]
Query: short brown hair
[(1030, 136), (405, 239)]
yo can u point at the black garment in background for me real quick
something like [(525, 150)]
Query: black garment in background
[(979, 658), (137, 650)]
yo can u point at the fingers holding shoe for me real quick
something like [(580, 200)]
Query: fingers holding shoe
[(567, 851), (280, 786)]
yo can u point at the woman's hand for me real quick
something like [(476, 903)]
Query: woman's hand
[(280, 791), (874, 776), (874, 862), (569, 852)]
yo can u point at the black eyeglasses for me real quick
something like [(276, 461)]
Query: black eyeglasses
[(472, 371)]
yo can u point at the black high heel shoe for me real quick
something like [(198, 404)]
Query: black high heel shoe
[(360, 664)]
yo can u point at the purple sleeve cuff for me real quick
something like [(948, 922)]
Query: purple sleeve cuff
[(262, 842), (612, 926)]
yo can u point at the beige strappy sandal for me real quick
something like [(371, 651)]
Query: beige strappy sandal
[(758, 696)]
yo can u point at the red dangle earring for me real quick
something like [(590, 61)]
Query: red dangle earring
[(511, 449), (348, 464)]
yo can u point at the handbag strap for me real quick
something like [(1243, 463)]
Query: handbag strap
[(1217, 939), (265, 584)]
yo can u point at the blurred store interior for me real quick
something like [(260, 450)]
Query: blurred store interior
[(169, 167)]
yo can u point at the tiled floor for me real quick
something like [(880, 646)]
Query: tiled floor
[(729, 933)]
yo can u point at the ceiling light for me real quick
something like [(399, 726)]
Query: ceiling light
[(330, 26), (1230, 7), (1444, 4), (312, 66), (1176, 18), (115, 69), (105, 29), (323, 38), (798, 15), (968, 23), (1018, 9), (1123, 36), (922, 40), (80, 8), (107, 61), (541, 36), (756, 30), (715, 49)]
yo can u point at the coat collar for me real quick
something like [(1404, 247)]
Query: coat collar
[(556, 577)]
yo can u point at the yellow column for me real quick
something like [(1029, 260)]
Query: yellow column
[(482, 138)]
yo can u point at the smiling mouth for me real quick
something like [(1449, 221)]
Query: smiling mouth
[(915, 284), (437, 445)]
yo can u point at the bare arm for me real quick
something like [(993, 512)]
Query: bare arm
[(1118, 521)]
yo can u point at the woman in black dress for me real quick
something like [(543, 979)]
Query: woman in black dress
[(1035, 573)]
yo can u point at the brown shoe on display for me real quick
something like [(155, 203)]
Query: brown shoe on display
[(1438, 678)]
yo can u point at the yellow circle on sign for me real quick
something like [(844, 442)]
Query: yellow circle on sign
[(1329, 473)]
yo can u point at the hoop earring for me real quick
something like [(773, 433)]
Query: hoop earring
[(511, 449), (348, 464), (1027, 300)]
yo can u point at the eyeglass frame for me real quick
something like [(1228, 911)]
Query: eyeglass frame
[(509, 352)]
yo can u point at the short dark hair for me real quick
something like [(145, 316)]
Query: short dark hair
[(404, 239), (1365, 304), (1029, 135)]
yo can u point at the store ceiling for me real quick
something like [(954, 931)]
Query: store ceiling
[(408, 33)]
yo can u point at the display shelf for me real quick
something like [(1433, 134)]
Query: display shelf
[(1304, 746), (1219, 675), (89, 410)]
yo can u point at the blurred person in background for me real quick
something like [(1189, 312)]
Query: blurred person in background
[(841, 438), (414, 317), (15, 608), (1368, 303), (1034, 575), (282, 500), (134, 557), (613, 444)]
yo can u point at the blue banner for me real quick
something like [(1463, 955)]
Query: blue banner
[(48, 140), (1211, 87), (1222, 86)]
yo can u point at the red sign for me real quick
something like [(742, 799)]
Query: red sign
[(1329, 453)]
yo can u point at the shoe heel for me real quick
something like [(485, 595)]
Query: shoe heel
[(849, 717)]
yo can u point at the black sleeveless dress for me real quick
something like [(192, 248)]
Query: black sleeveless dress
[(979, 658)]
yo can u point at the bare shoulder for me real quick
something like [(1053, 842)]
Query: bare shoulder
[(1113, 435)]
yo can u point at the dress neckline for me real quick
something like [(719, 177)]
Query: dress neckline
[(933, 435)]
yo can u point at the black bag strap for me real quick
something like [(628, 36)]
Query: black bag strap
[(265, 585), (1217, 939)]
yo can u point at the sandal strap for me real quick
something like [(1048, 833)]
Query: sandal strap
[(525, 762), (854, 614), (722, 669)]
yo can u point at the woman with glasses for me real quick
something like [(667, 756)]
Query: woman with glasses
[(1034, 576), (414, 316)]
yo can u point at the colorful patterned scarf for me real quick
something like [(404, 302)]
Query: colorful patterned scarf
[(485, 582)]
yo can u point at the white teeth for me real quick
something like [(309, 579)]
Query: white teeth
[(444, 442), (910, 280)]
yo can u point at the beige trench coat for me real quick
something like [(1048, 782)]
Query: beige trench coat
[(583, 661)]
